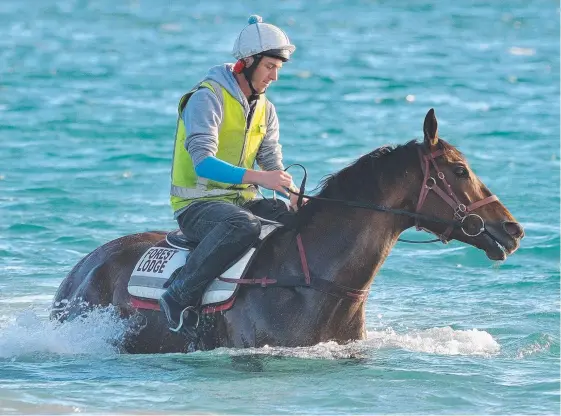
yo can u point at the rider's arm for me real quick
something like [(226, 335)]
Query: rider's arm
[(202, 117), (217, 170)]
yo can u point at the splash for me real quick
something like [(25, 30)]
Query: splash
[(101, 330), (97, 333), (538, 344), (324, 350), (443, 341)]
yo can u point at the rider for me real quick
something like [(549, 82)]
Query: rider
[(225, 125)]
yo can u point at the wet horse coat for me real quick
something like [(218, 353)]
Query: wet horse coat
[(343, 245)]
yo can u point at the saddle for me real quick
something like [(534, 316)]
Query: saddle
[(160, 264)]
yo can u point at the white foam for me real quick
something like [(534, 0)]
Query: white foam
[(100, 331), (324, 350), (543, 344), (522, 51), (97, 333), (443, 341)]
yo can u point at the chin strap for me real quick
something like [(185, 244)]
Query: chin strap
[(247, 72), (254, 94)]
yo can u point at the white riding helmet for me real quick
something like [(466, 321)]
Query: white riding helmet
[(259, 37)]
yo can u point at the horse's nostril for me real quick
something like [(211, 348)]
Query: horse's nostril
[(513, 228)]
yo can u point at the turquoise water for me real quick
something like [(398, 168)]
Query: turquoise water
[(88, 92)]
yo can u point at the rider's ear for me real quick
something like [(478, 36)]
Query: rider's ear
[(430, 129), (248, 61)]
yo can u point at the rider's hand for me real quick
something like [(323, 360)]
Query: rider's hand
[(294, 202), (276, 180), (294, 199)]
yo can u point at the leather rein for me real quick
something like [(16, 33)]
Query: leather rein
[(461, 211), (429, 183)]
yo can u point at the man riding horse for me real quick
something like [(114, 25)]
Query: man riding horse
[(225, 125), (306, 284)]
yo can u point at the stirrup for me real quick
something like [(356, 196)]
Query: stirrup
[(185, 312)]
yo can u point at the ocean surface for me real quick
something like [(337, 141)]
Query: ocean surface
[(88, 98)]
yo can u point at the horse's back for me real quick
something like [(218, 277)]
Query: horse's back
[(101, 277)]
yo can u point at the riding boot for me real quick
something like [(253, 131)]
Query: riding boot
[(181, 319), (228, 232)]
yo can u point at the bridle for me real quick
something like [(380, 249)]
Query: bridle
[(429, 183), (461, 211)]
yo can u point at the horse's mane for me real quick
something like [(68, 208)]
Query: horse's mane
[(366, 168), (361, 179)]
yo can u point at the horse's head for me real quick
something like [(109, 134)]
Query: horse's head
[(450, 190)]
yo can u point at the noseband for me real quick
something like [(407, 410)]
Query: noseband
[(461, 211)]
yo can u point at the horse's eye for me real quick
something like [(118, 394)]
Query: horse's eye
[(461, 172)]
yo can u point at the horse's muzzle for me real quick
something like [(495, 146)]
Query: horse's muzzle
[(513, 229), (506, 235)]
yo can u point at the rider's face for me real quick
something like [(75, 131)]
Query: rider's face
[(266, 72)]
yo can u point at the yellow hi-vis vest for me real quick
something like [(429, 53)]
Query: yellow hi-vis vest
[(237, 145)]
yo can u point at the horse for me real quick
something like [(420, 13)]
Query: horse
[(342, 237)]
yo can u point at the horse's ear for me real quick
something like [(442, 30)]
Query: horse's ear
[(430, 129)]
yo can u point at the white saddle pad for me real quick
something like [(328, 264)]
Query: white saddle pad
[(157, 264)]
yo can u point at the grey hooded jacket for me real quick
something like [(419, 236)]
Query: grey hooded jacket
[(204, 113)]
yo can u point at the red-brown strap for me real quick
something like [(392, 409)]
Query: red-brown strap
[(359, 297), (424, 187), (303, 259), (445, 197), (263, 282), (326, 286), (484, 201), (447, 194)]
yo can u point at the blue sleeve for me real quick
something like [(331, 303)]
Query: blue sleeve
[(218, 170)]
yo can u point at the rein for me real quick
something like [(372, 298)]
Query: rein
[(461, 213)]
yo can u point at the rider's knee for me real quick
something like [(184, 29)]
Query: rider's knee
[(248, 225)]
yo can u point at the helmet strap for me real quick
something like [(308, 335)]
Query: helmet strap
[(248, 73)]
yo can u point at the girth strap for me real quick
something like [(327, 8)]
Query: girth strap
[(327, 286), (317, 283), (305, 268), (337, 290), (264, 282)]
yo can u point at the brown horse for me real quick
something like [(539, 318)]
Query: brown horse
[(343, 237)]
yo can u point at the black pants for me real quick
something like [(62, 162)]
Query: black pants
[(223, 231)]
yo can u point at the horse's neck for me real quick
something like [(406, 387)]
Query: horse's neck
[(348, 246), (359, 240)]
